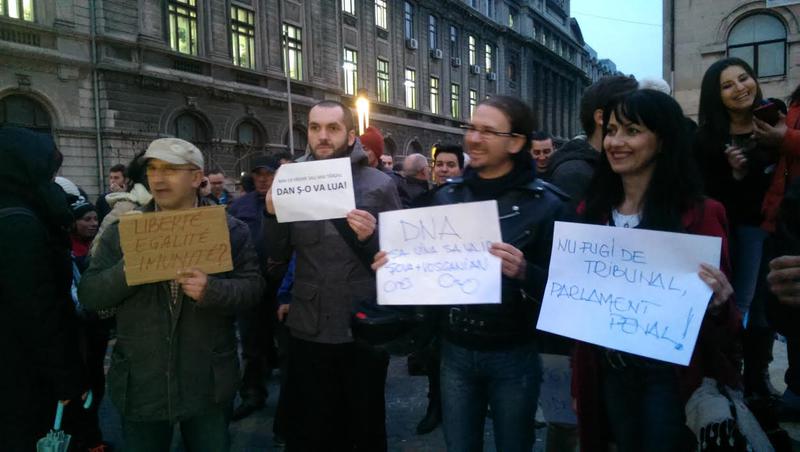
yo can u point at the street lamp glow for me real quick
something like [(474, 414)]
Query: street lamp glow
[(362, 107)]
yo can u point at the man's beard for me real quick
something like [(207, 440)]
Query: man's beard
[(343, 151)]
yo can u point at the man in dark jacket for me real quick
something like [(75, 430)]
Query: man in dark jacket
[(417, 175), (175, 358), (38, 327), (335, 388), (257, 324), (572, 167)]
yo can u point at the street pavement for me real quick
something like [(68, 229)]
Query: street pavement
[(406, 401)]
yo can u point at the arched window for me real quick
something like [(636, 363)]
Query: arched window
[(300, 141), (389, 147), (414, 148), (22, 111), (760, 40), (190, 128), (249, 134)]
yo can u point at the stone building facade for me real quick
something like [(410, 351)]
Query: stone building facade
[(108, 76), (764, 33)]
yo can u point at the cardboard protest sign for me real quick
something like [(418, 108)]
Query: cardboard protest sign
[(628, 289), (555, 398), (316, 190), (157, 245), (440, 255)]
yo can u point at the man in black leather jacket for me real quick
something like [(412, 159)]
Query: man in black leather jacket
[(489, 354)]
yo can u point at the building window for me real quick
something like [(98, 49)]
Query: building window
[(433, 32), (381, 14), (512, 17), (350, 71), (188, 127), (473, 50), (489, 58), (473, 3), (247, 134), (349, 6), (383, 81), (435, 95), (454, 48), (511, 71), (760, 40), (408, 20), (490, 9), (22, 111), (17, 9), (183, 26), (243, 37), (293, 46), (411, 88), (534, 25), (473, 101), (455, 101)]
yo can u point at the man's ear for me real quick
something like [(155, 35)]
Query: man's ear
[(351, 137), (197, 178), (517, 143)]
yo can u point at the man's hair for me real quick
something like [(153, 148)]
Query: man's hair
[(347, 114), (541, 136), (522, 121), (601, 93), (418, 163), (450, 149), (215, 171), (118, 168)]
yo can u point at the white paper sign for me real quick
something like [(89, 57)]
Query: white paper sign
[(555, 396), (628, 289), (440, 255), (315, 190)]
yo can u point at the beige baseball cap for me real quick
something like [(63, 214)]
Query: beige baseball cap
[(176, 151)]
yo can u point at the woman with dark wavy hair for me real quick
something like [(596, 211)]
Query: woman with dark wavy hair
[(646, 179), (737, 166)]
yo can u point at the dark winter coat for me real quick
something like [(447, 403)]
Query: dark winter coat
[(571, 168), (167, 367)]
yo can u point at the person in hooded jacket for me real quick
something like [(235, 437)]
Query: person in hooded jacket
[(38, 330)]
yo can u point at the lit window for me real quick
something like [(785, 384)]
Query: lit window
[(489, 58), (381, 14), (411, 88), (293, 46), (434, 95), (455, 101), (473, 51), (243, 37), (473, 101), (383, 81), (17, 9), (350, 72), (512, 17), (433, 32), (349, 6), (760, 40), (183, 26), (408, 20)]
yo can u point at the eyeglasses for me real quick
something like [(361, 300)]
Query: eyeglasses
[(168, 170), (484, 133)]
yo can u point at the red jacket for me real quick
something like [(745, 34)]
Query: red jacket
[(716, 353), (787, 169)]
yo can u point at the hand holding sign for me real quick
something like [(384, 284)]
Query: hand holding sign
[(194, 283), (362, 223), (514, 263)]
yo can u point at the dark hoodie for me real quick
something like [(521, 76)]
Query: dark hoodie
[(38, 330), (571, 168)]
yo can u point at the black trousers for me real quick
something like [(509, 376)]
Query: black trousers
[(259, 354), (335, 397)]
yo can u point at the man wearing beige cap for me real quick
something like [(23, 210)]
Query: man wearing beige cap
[(175, 358)]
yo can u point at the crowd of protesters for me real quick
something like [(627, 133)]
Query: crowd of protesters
[(289, 301)]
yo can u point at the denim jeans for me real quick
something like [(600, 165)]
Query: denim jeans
[(644, 408), (507, 380), (747, 252), (203, 433)]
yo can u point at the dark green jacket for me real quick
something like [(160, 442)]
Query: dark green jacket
[(165, 369)]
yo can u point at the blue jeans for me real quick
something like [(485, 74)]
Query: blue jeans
[(203, 433), (507, 380), (748, 248), (644, 408)]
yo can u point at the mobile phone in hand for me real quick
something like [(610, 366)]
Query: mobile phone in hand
[(768, 113)]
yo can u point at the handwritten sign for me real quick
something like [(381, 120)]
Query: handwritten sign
[(555, 398), (440, 255), (157, 245), (628, 289), (316, 190)]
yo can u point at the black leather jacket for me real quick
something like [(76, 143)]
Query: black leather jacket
[(527, 212)]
